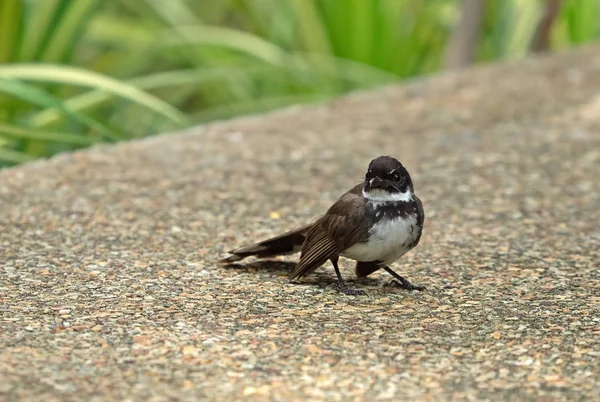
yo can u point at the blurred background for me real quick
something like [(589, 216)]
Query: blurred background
[(77, 72)]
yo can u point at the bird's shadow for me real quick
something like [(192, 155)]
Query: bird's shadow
[(275, 266), (320, 277)]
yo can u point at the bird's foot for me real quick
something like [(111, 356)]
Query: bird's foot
[(405, 284), (347, 290)]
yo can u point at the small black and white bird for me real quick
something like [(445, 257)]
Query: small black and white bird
[(375, 223)]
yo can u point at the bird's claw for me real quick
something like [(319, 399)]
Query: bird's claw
[(345, 289), (405, 285)]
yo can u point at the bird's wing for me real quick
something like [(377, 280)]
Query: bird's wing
[(420, 221), (316, 250), (340, 228), (345, 221)]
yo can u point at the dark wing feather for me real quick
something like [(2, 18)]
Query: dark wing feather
[(420, 220), (341, 227), (345, 221), (316, 250)]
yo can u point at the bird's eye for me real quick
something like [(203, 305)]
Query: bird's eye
[(396, 177)]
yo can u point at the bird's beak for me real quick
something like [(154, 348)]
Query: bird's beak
[(376, 182)]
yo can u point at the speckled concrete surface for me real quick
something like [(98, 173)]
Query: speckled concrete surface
[(109, 288)]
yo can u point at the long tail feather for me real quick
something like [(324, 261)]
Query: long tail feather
[(286, 243)]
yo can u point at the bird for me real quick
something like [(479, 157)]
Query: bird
[(374, 223)]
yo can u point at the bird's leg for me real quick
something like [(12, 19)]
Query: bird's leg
[(404, 283), (341, 285)]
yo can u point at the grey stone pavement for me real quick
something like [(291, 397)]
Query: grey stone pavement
[(109, 288)]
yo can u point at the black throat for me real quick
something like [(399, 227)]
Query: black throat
[(377, 211)]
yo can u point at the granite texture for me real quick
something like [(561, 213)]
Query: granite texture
[(109, 288)]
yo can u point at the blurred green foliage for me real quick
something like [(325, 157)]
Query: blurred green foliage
[(77, 72)]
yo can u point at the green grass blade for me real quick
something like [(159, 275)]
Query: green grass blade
[(110, 31), (358, 74), (583, 15), (186, 78), (523, 17), (11, 17), (42, 98), (363, 29), (81, 77), (226, 38), (174, 12), (315, 39), (26, 133), (66, 31), (335, 20), (313, 32), (8, 156), (40, 25)]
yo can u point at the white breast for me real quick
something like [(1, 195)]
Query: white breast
[(389, 239)]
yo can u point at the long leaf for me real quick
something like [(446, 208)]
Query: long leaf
[(359, 74), (11, 15), (68, 26), (188, 77), (227, 38), (81, 77), (10, 156), (42, 98), (13, 131), (312, 30), (43, 17)]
